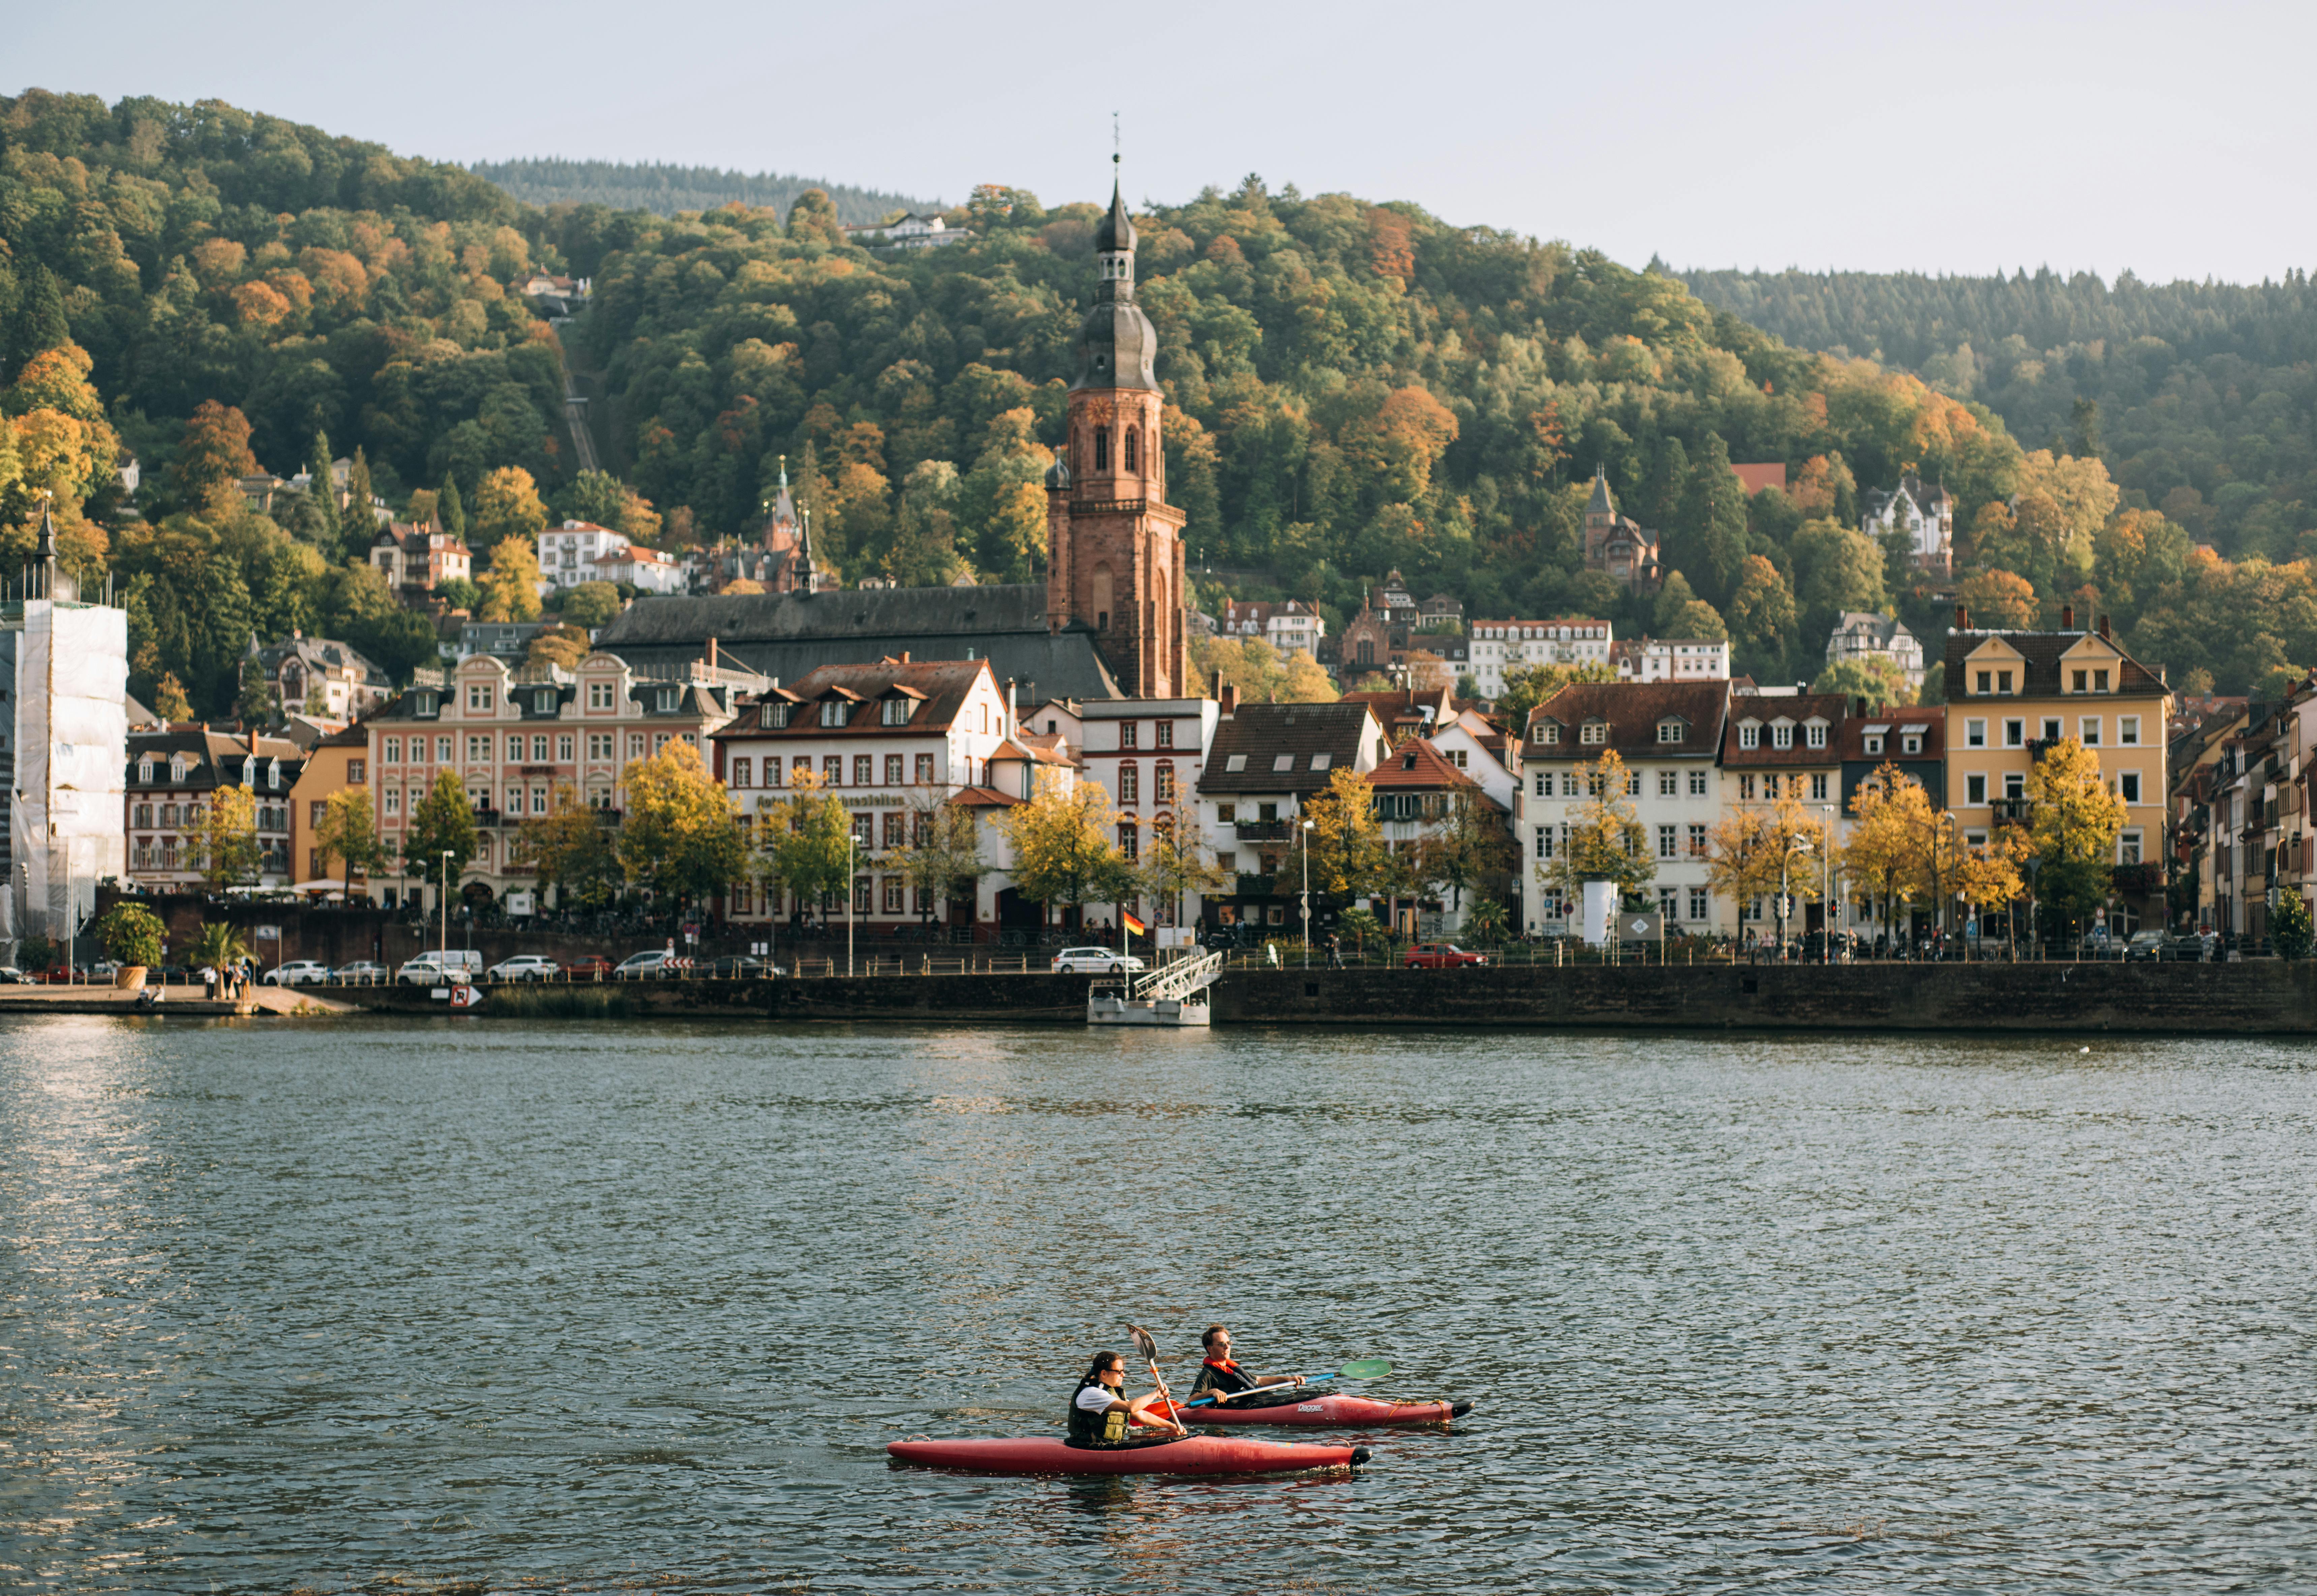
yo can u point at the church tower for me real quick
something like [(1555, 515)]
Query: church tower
[(1114, 559)]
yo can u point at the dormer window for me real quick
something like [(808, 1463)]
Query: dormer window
[(249, 773), (1782, 734), (835, 712), (1815, 733), (1749, 733), (1672, 731), (274, 775), (478, 697), (1873, 742), (145, 771), (543, 701), (1912, 742), (1548, 731), (1593, 733), (777, 716), (897, 711), (667, 698)]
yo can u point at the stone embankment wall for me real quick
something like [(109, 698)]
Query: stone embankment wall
[(2266, 997)]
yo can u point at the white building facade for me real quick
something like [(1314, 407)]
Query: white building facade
[(1501, 646)]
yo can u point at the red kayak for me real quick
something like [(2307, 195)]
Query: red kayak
[(1198, 1453), (1335, 1411)]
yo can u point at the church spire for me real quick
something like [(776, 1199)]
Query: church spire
[(1118, 348)]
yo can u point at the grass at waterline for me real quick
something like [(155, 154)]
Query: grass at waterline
[(556, 1002)]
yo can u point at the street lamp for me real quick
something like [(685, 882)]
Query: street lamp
[(851, 836), (1798, 845), (1307, 894), (1827, 919), (446, 908)]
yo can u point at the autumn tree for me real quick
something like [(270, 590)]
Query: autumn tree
[(1261, 673), (1350, 857), (1890, 813), (221, 839), (1871, 677), (169, 699), (679, 835), (1063, 851), (507, 505), (1605, 840), (2073, 830), (510, 588), (564, 646), (1466, 845), (1997, 600), (804, 843), (442, 823), (214, 453), (943, 857), (591, 605), (348, 832), (1779, 850), (570, 847), (1177, 863)]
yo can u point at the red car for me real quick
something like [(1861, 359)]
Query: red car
[(593, 967), (1439, 955), (59, 975)]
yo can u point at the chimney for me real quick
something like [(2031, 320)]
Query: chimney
[(2103, 626), (1962, 619), (1227, 700), (1013, 707), (712, 654), (2067, 617), (905, 657), (1861, 702), (253, 742)]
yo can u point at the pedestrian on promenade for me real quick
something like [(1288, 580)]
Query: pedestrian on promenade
[(1335, 952), (209, 983)]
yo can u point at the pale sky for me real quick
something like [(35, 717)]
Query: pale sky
[(1960, 138)]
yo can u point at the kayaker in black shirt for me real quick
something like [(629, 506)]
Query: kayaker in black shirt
[(1100, 1411), (1222, 1378)]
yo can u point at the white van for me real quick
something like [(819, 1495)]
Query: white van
[(436, 966)]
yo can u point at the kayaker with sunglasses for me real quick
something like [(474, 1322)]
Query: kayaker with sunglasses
[(1222, 1378), (1100, 1413)]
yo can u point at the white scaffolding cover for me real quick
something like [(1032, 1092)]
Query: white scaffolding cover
[(67, 825)]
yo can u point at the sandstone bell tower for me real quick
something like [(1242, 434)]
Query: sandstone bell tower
[(1115, 557)]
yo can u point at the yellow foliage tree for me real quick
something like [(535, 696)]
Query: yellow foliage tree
[(511, 586), (506, 506)]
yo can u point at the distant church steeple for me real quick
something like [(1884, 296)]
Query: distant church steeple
[(1114, 560)]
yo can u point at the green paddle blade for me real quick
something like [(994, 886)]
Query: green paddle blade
[(1366, 1369)]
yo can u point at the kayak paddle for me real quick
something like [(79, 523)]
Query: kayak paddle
[(1150, 1350), (1366, 1369)]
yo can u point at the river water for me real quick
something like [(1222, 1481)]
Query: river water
[(469, 1305)]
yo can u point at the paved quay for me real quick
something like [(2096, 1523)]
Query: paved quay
[(108, 1000)]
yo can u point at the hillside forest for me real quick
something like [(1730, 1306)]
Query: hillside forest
[(665, 190), (1352, 388)]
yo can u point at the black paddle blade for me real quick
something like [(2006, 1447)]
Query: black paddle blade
[(1143, 1343)]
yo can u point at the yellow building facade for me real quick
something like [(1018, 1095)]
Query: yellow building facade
[(337, 762), (2012, 695)]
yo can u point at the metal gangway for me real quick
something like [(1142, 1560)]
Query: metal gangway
[(1175, 982)]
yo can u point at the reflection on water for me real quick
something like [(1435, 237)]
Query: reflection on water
[(452, 1300)]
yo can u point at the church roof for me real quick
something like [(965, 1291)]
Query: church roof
[(789, 635), (1115, 231), (1601, 504)]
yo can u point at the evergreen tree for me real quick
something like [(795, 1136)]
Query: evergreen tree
[(1713, 523), (323, 492), (39, 320), (360, 522), (449, 509)]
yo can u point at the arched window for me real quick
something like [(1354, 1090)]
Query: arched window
[(1129, 448), (1102, 598), (1102, 448)]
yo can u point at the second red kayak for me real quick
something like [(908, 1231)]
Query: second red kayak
[(1335, 1411), (1198, 1453)]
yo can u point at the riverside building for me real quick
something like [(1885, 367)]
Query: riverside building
[(514, 735)]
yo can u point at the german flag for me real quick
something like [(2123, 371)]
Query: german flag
[(1133, 924)]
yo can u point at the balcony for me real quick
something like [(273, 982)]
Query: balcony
[(1264, 831), (2011, 811)]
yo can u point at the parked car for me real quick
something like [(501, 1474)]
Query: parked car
[(595, 966), (433, 968), (738, 965), (1096, 961), (524, 966), (2146, 947), (10, 976), (1439, 955), (103, 969), (64, 975), (297, 972), (652, 965), (363, 972)]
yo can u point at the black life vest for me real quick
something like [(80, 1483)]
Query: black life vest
[(1090, 1429)]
